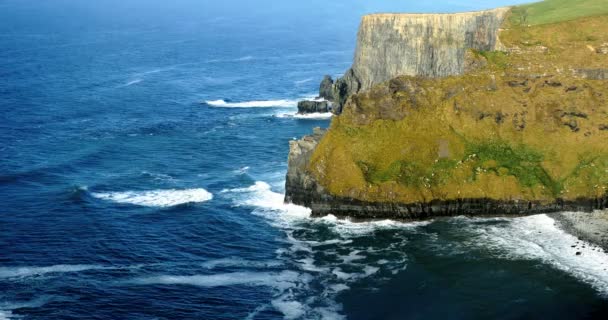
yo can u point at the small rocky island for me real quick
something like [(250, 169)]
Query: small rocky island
[(503, 111)]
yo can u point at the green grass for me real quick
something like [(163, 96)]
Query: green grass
[(497, 58), (498, 157), (551, 11), (521, 162)]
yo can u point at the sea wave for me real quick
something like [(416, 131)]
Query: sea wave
[(260, 195), (156, 198), (339, 264), (253, 104), (538, 238), (130, 83), (299, 82), (307, 116), (22, 272), (280, 280)]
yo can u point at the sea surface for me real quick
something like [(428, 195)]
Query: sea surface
[(143, 149)]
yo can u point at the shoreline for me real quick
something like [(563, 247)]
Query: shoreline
[(590, 227)]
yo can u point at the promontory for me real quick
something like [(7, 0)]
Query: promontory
[(502, 111)]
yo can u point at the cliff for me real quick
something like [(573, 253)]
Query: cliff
[(465, 128), (433, 45)]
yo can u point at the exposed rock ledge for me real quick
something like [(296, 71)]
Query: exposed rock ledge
[(302, 189)]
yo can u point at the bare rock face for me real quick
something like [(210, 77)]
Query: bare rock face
[(326, 89), (603, 49), (429, 45), (300, 185)]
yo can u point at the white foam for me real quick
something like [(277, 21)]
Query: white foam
[(343, 275), (240, 59), (245, 58), (242, 170), (303, 81), (281, 281), (253, 104), (291, 309), (347, 227), (537, 237), (334, 271), (130, 83), (353, 256), (307, 116), (6, 315), (261, 196), (21, 272), (238, 262), (157, 198)]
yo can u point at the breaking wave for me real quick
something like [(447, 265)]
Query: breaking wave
[(156, 198), (330, 263), (308, 116), (538, 238), (253, 104)]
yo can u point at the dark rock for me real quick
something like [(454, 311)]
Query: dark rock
[(576, 114), (578, 253), (554, 84), (603, 127), (573, 125), (344, 88), (515, 83), (326, 89), (313, 107)]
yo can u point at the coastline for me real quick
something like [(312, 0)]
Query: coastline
[(588, 227)]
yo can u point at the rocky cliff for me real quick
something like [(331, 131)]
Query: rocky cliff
[(433, 45), (467, 129)]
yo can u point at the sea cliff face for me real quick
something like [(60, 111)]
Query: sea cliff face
[(463, 128), (432, 45)]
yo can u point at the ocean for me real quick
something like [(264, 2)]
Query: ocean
[(143, 153)]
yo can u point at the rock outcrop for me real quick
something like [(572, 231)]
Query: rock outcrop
[(313, 106), (326, 89)]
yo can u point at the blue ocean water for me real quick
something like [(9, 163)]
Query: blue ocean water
[(143, 150)]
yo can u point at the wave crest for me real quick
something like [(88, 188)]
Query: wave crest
[(284, 103), (157, 198)]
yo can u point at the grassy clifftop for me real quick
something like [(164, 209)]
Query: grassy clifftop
[(528, 123), (552, 11)]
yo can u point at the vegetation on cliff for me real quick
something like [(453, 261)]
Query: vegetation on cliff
[(551, 11), (526, 123)]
